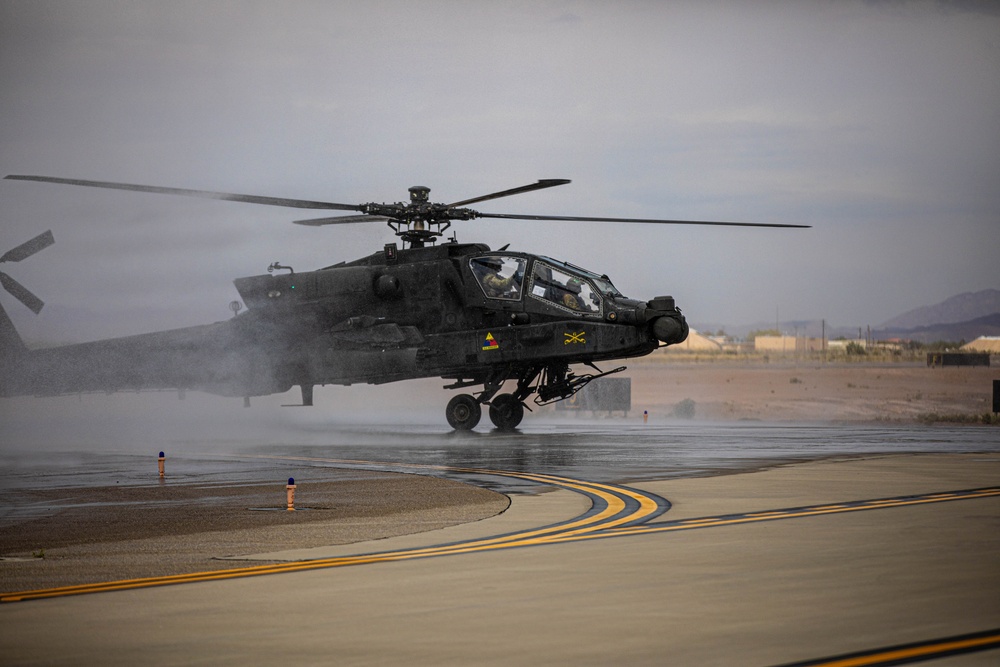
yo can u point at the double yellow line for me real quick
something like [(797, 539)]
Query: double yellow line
[(616, 512), (612, 504), (908, 653)]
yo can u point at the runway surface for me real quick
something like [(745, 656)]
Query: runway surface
[(644, 554), (614, 511), (606, 450)]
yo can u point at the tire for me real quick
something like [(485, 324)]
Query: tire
[(506, 412), (463, 412)]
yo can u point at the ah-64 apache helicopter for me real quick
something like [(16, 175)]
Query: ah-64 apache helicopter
[(453, 310)]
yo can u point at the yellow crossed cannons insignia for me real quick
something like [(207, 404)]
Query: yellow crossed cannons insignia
[(575, 338)]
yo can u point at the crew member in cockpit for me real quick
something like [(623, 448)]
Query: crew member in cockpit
[(494, 283), (571, 296)]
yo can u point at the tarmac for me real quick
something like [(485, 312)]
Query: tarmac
[(773, 588)]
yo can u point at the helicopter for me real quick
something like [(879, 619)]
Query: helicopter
[(475, 317)]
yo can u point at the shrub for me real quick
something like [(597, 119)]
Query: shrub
[(684, 409)]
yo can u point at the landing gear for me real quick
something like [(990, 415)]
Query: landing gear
[(463, 412), (551, 382), (506, 412)]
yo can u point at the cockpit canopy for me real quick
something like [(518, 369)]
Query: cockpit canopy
[(557, 283), (501, 277), (602, 283)]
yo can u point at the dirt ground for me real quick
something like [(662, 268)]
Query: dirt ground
[(809, 391), (88, 534)]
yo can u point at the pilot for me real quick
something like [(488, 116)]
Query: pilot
[(571, 297), (496, 285)]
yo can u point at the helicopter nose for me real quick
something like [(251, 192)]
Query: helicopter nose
[(669, 326)]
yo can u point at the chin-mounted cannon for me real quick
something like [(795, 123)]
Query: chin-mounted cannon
[(669, 325)]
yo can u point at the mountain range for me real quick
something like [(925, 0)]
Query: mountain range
[(963, 307), (964, 316)]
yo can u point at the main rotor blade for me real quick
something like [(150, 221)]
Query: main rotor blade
[(25, 250), (544, 183), (21, 293), (204, 194), (577, 218), (340, 220)]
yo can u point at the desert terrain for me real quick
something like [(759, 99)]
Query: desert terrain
[(806, 390)]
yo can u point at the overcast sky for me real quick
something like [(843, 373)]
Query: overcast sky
[(876, 122)]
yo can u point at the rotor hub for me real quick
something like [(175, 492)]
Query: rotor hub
[(419, 193)]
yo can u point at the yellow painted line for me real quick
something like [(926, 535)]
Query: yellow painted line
[(607, 492), (298, 566), (602, 520), (760, 517), (598, 525), (912, 653)]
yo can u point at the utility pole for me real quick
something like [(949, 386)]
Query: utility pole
[(824, 340)]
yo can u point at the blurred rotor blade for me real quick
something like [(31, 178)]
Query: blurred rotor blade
[(544, 183), (25, 250), (204, 194), (21, 293), (578, 218), (340, 220)]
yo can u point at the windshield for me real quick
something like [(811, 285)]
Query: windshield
[(499, 277), (564, 289), (603, 283)]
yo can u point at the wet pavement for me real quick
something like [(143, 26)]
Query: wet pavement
[(822, 584), (608, 450)]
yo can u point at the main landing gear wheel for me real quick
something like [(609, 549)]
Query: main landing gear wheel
[(463, 412), (506, 412)]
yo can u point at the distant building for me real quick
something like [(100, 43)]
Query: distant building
[(787, 344), (697, 342), (984, 344)]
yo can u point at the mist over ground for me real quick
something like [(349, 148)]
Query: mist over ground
[(203, 423)]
